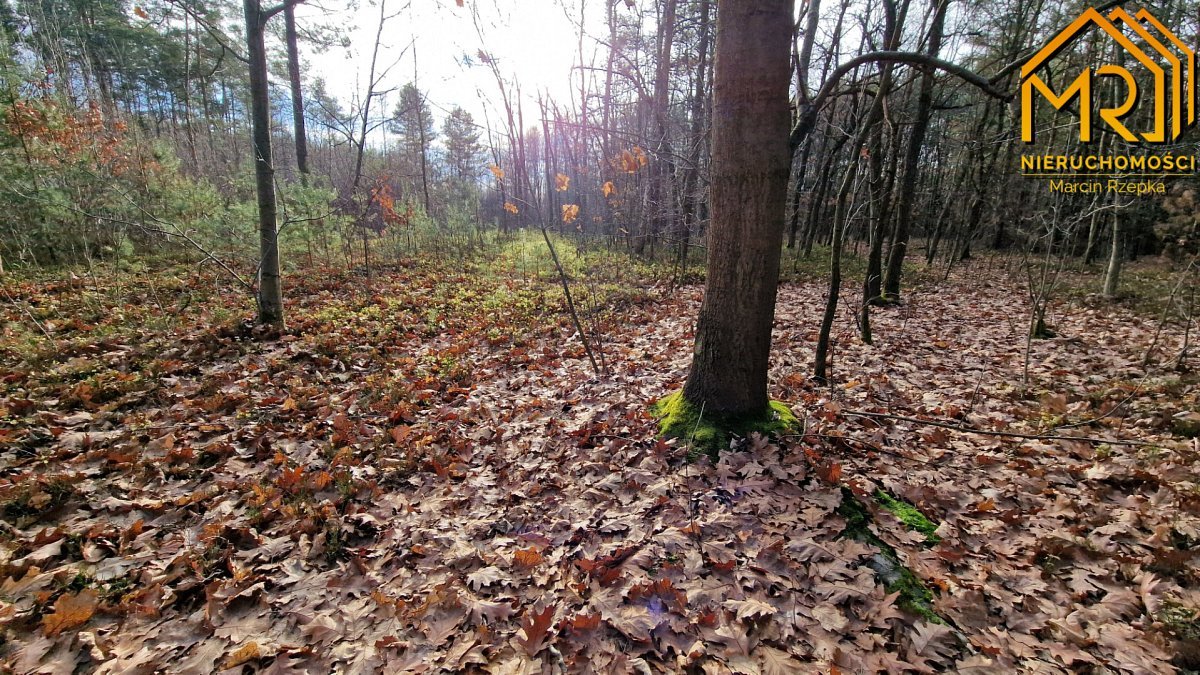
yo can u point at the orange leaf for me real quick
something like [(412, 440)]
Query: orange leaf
[(321, 480), (141, 13), (290, 478), (986, 505), (830, 473), (496, 171), (561, 182), (249, 652), (527, 557), (582, 622), (628, 163), (608, 188), (570, 212), (400, 433), (510, 207), (71, 611)]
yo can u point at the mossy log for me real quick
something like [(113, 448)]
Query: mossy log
[(915, 597)]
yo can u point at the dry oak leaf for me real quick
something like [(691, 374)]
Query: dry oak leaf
[(536, 628), (485, 577), (750, 608), (831, 618), (776, 661), (932, 640), (71, 611)]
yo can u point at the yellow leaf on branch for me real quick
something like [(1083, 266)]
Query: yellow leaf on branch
[(570, 212)]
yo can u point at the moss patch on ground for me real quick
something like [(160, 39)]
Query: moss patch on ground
[(710, 432), (910, 515), (915, 597)]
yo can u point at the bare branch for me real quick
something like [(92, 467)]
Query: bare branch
[(808, 115)]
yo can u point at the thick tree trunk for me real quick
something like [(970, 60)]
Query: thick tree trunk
[(270, 291), (750, 163)]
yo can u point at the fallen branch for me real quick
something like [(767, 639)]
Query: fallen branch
[(987, 432)]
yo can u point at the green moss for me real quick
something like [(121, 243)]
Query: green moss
[(915, 597), (679, 418), (1180, 621), (1187, 426), (908, 514)]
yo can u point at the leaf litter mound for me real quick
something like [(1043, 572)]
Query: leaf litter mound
[(418, 477)]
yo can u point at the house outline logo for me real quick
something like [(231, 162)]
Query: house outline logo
[(1173, 74)]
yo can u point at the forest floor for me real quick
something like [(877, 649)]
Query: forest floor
[(422, 473)]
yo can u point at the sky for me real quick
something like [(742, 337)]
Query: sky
[(532, 41)]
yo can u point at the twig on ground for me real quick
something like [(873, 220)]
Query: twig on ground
[(988, 432)]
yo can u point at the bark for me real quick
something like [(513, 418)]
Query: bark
[(293, 65), (421, 124), (270, 291), (659, 200), (880, 188), (1112, 276), (691, 193), (871, 120), (750, 166), (803, 62), (804, 58), (904, 207)]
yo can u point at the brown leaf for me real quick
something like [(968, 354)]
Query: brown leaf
[(71, 611), (536, 628)]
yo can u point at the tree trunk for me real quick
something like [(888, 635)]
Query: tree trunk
[(293, 64), (270, 291), (691, 178), (1112, 277), (750, 165), (659, 202), (904, 207)]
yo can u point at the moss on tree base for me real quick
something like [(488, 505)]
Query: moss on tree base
[(710, 432)]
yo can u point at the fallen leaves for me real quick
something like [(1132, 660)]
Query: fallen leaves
[(535, 629), (71, 610), (416, 479), (245, 654), (486, 577)]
